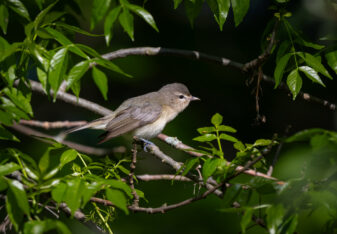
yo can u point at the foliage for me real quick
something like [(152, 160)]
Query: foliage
[(30, 184)]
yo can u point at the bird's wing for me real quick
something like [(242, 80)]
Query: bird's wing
[(132, 117)]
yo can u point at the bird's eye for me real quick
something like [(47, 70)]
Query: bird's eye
[(181, 96)]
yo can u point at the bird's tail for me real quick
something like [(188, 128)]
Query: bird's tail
[(96, 124)]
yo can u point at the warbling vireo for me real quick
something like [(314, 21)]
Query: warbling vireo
[(144, 116)]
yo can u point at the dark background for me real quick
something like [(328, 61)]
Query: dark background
[(221, 89)]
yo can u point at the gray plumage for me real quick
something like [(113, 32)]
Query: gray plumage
[(146, 115)]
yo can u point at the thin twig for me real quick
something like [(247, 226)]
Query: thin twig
[(132, 174), (148, 177), (49, 125), (82, 148)]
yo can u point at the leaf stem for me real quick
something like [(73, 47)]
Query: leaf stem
[(101, 217), (291, 40), (218, 140)]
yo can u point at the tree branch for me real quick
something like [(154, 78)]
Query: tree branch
[(132, 174), (148, 177), (56, 124)]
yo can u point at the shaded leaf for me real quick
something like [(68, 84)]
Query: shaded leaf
[(108, 23), (58, 192), (101, 81), (282, 50), (8, 168), (176, 3), (216, 119), (6, 119), (73, 194), (294, 82), (15, 214), (42, 76), (274, 218), (76, 72), (331, 58), (6, 135), (19, 100), (262, 142), (206, 137), (118, 198), (73, 28), (19, 8), (246, 219), (119, 185), (209, 167), (226, 137), (3, 18), (190, 164), (305, 135), (240, 9), (239, 146), (280, 67), (99, 8), (126, 20), (39, 18), (19, 194), (68, 156), (192, 9), (45, 226), (226, 128)]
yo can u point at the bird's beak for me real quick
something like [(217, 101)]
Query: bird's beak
[(195, 99)]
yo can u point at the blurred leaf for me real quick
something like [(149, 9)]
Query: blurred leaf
[(311, 74), (226, 128), (216, 119), (58, 192), (53, 16), (226, 137), (99, 8), (10, 75), (42, 76), (6, 135), (76, 72), (6, 119), (36, 52), (294, 82), (120, 185), (90, 190), (57, 69), (246, 219), (206, 137), (319, 141), (101, 81), (223, 6), (3, 18), (262, 142), (305, 135), (19, 99), (39, 18), (240, 9), (280, 67), (76, 88), (15, 214), (190, 164), (17, 190), (192, 9), (108, 23), (8, 168), (314, 63), (68, 156), (275, 215), (45, 226), (209, 167), (289, 226), (118, 198), (143, 14), (206, 130), (126, 20), (331, 58), (73, 28), (111, 66), (19, 8), (282, 50), (73, 194), (176, 3), (45, 160), (239, 146)]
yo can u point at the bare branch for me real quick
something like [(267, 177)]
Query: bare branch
[(132, 173), (148, 177), (82, 148), (56, 124)]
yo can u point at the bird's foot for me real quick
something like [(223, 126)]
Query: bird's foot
[(146, 144)]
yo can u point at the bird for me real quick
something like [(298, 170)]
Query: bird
[(144, 116)]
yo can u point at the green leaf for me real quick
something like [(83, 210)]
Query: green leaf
[(6, 119), (262, 142), (111, 66), (52, 16), (76, 72), (58, 192), (57, 69), (240, 9), (101, 81), (280, 67), (3, 18), (19, 8), (223, 6), (45, 160), (76, 88), (73, 28), (193, 9), (45, 226), (314, 63), (216, 119), (99, 8), (239, 146), (14, 212), (19, 193), (331, 58), (42, 76), (190, 164), (68, 156), (205, 138), (73, 194), (282, 50), (294, 82), (19, 100), (39, 18), (90, 190), (12, 109), (126, 20), (40, 55), (108, 23), (143, 14), (8, 168), (311, 74), (289, 227), (226, 128), (305, 135), (118, 198), (120, 185), (246, 219), (176, 3), (274, 219), (10, 75), (206, 130), (209, 167), (226, 137)]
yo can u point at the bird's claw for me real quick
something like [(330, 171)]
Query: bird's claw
[(146, 144)]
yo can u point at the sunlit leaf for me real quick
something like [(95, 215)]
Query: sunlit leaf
[(226, 137), (311, 74), (19, 8), (314, 63), (76, 72), (205, 138), (294, 82), (144, 14), (108, 23), (8, 168)]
